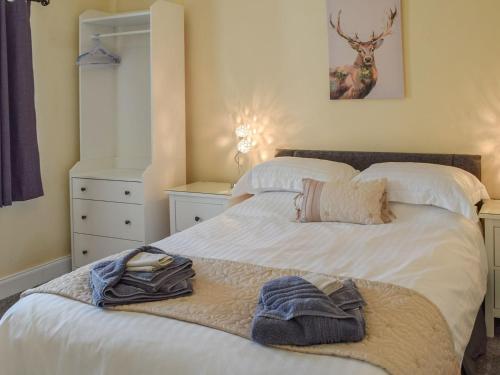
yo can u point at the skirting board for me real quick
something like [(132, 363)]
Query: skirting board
[(32, 277)]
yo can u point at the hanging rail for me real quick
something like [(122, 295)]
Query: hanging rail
[(124, 33)]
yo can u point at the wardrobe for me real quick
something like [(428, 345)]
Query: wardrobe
[(132, 131)]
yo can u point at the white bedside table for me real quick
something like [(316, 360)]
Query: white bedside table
[(490, 213), (195, 203)]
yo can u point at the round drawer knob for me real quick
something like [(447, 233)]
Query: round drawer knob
[(128, 222), (197, 219), (127, 192), (84, 217), (83, 189), (85, 252)]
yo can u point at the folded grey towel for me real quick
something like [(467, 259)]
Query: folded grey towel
[(292, 311), (179, 269), (126, 294), (162, 281), (108, 290)]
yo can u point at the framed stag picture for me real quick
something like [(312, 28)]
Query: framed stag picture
[(366, 49)]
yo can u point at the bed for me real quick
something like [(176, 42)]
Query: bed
[(427, 249)]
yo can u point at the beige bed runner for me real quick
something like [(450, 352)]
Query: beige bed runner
[(406, 333)]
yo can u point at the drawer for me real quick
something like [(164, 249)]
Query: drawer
[(496, 243), (189, 212), (118, 220), (108, 190), (88, 249), (497, 289)]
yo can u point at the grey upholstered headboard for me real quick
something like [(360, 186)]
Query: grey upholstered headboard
[(362, 160)]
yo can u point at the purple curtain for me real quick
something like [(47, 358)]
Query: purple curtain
[(20, 177)]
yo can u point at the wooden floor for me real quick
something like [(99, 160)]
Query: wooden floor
[(487, 365)]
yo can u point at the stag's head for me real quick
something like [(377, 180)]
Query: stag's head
[(366, 50)]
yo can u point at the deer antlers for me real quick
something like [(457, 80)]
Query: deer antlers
[(374, 38), (340, 32), (388, 27)]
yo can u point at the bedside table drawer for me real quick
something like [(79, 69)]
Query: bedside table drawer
[(117, 220), (497, 289), (88, 249), (497, 246), (107, 190), (190, 212)]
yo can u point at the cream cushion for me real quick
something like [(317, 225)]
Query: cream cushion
[(344, 201)]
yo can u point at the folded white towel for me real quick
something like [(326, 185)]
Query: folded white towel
[(147, 262), (324, 283)]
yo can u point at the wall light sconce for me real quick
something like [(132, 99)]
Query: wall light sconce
[(245, 144)]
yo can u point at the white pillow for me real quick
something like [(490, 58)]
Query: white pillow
[(287, 173), (430, 184)]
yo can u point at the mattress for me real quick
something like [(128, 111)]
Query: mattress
[(427, 249)]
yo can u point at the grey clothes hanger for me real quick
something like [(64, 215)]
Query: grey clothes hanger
[(99, 55)]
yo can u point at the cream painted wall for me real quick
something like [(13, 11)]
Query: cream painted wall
[(131, 5), (270, 57), (38, 231)]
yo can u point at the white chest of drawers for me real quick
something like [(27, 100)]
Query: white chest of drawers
[(107, 217), (195, 203)]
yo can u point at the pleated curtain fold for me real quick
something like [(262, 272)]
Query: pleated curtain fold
[(20, 177)]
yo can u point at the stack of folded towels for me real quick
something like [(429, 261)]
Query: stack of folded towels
[(146, 274), (308, 311)]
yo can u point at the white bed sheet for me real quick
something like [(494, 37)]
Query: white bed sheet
[(430, 250)]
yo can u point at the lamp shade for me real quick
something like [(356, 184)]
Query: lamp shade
[(243, 131), (245, 146)]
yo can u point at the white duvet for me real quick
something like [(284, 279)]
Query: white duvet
[(430, 250)]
